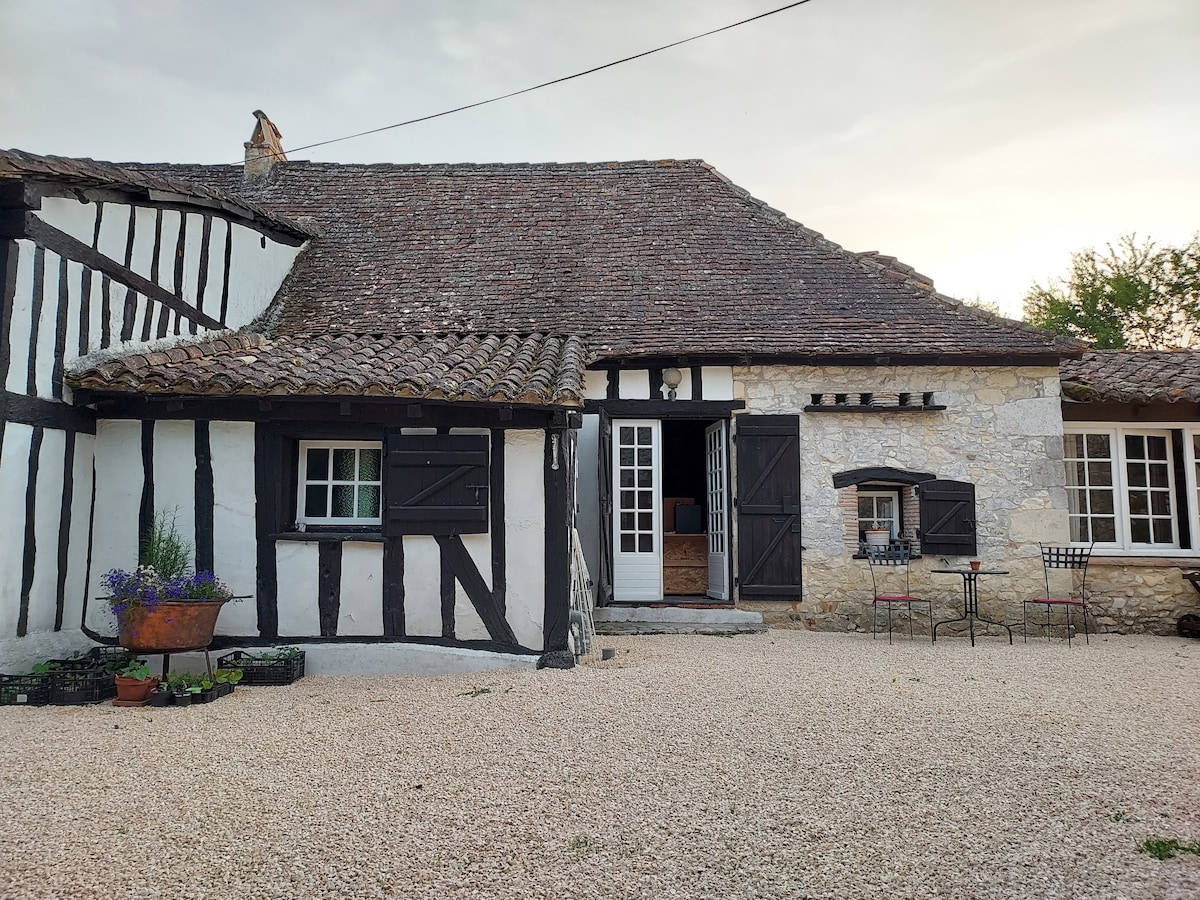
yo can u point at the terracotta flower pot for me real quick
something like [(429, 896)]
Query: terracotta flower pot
[(170, 626), (135, 689)]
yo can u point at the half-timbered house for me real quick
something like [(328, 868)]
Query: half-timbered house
[(385, 399)]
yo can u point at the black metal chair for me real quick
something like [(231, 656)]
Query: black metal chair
[(1076, 560), (893, 556)]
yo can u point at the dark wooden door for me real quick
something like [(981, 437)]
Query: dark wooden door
[(768, 507)]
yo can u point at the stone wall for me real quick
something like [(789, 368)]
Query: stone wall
[(1001, 430)]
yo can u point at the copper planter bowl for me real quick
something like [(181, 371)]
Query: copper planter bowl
[(170, 626)]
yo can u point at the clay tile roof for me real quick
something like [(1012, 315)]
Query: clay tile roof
[(90, 173), (536, 369), (1138, 376), (658, 258)]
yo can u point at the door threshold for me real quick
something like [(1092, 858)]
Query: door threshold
[(682, 601)]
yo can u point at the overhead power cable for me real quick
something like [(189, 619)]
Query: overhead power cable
[(544, 84)]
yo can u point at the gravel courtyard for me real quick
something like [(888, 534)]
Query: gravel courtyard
[(789, 764)]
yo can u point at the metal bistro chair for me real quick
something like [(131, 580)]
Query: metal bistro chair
[(1074, 559), (892, 555)]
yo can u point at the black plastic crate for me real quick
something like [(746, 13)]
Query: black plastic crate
[(72, 683), (24, 690), (257, 671), (111, 658)]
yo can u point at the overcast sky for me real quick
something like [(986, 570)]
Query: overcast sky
[(980, 142)]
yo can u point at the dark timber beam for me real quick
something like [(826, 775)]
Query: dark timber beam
[(42, 413), (63, 244)]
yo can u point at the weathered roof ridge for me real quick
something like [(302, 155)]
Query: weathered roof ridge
[(21, 163), (1133, 376)]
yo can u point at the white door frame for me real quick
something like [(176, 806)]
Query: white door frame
[(716, 474), (637, 510)]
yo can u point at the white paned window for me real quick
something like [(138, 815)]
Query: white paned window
[(878, 509), (635, 472), (1132, 489), (340, 482)]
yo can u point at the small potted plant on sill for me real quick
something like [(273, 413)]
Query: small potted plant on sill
[(162, 606), (134, 684), (877, 535)]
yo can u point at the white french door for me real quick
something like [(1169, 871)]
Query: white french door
[(715, 468), (637, 508)]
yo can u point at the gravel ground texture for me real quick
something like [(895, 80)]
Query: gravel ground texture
[(789, 764)]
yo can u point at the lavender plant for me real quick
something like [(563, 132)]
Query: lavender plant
[(165, 573)]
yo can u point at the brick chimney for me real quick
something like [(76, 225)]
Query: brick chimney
[(263, 150)]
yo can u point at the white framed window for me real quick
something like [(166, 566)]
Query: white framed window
[(878, 508), (1133, 489), (340, 483)]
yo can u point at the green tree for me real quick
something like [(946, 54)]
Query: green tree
[(1136, 296)]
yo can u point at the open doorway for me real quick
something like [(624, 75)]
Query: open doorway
[(670, 521), (695, 564)]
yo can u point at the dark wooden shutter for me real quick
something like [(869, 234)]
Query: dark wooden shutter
[(436, 484), (604, 578), (768, 507), (947, 518)]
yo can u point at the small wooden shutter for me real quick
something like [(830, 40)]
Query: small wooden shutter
[(604, 578), (768, 507), (947, 518), (436, 484)]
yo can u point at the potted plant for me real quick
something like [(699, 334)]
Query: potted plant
[(178, 685), (134, 684), (877, 535), (161, 606), (226, 679)]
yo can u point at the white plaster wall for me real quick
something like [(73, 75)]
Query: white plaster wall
[(81, 510), (191, 259), (175, 475), (21, 320), (171, 221), (595, 384), (71, 216), (525, 539), (114, 231), (235, 554), (74, 301), (718, 382), (297, 564), (216, 267), (118, 500), (43, 593), (422, 586), (467, 624), (143, 240), (361, 608), (14, 472), (634, 385), (95, 312), (47, 326), (587, 494), (255, 273)]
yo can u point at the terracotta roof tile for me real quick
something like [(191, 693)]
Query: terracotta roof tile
[(1140, 376), (543, 370), (638, 258)]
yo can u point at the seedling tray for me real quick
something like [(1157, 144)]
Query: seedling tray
[(72, 683), (257, 671), (24, 690)]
